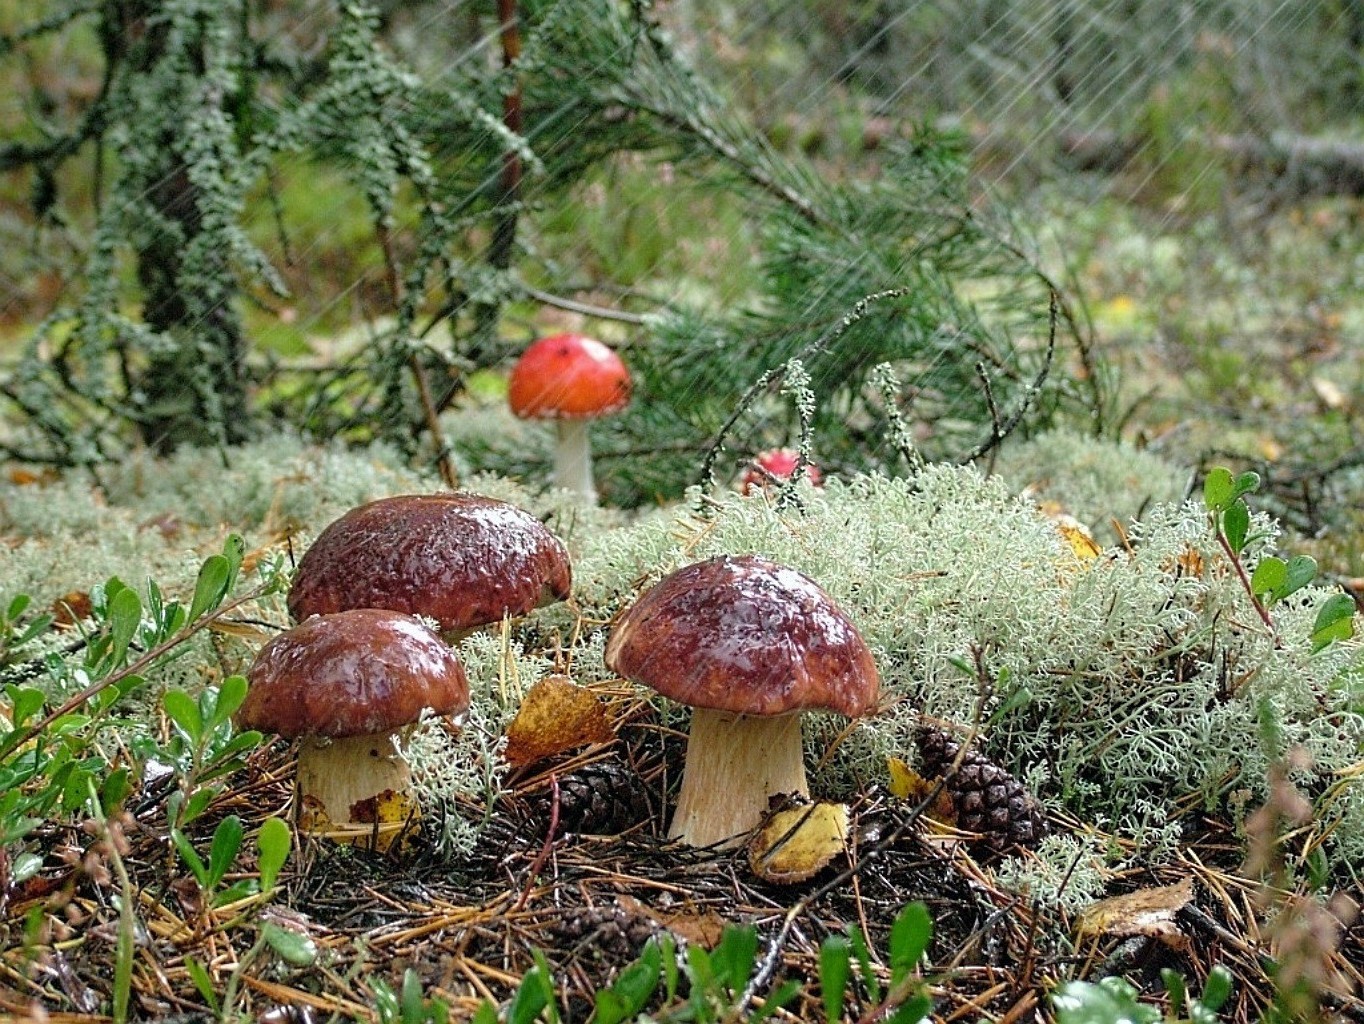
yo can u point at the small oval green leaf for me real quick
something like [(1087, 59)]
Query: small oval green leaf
[(274, 842), (1236, 525), (1219, 489), (212, 585), (125, 613), (1268, 576), (293, 947)]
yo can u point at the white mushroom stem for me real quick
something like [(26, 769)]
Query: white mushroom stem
[(573, 459), (353, 788), (734, 764)]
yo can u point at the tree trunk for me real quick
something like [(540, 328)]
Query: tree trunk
[(195, 391)]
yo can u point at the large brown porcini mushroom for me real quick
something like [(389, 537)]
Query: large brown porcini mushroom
[(572, 380), (461, 559), (750, 645), (344, 684)]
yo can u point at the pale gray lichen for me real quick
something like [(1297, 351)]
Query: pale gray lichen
[(1067, 872), (1096, 480), (457, 771)]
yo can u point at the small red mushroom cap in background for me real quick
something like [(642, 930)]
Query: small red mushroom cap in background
[(568, 376), (778, 464)]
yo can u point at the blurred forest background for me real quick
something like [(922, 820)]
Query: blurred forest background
[(217, 218)]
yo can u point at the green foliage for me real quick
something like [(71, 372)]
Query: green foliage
[(719, 984), (1114, 1001)]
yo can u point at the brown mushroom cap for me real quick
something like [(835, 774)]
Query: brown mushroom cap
[(747, 636), (461, 559), (355, 673)]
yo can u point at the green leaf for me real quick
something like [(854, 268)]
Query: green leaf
[(1176, 988), (668, 955), (211, 587), (1111, 1001), (1268, 576), (485, 1014), (190, 857), (1217, 989), (1236, 525), (115, 790), (1335, 621), (230, 696), (1219, 489), (227, 840), (26, 865), (910, 935), (34, 628), (1247, 483), (411, 1003), (733, 959), (293, 947), (18, 604), (125, 614), (25, 702), (912, 1011), (631, 991), (274, 842), (777, 999), (199, 975), (184, 712), (198, 803), (835, 964), (1302, 570), (862, 954), (234, 550), (529, 999)]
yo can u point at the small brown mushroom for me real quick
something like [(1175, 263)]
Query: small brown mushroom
[(344, 684), (461, 559), (750, 645)]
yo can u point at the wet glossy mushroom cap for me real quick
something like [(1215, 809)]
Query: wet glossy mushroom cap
[(747, 636), (461, 559), (568, 376), (355, 673)]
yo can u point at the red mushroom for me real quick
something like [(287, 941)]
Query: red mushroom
[(570, 379), (461, 559), (750, 645), (344, 684), (776, 464)]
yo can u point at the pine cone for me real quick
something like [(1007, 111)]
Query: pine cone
[(986, 798), (601, 798), (605, 933)]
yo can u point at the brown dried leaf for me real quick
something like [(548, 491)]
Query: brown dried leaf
[(556, 715), (1149, 912), (704, 929), (71, 608), (796, 843)]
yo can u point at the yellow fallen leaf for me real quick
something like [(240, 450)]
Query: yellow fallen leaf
[(1149, 912), (908, 784), (796, 843), (556, 715), (1077, 535), (376, 823)]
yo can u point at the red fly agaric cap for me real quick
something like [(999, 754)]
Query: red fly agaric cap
[(778, 464), (745, 635), (568, 376), (355, 673), (461, 559)]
